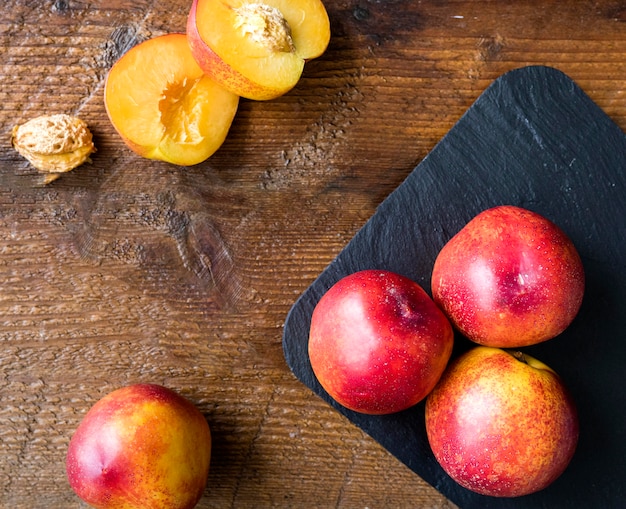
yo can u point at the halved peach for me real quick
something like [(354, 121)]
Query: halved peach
[(257, 49), (163, 105)]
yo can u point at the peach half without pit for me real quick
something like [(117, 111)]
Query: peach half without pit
[(257, 49), (163, 105)]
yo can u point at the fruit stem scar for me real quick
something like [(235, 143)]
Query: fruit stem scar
[(265, 25), (519, 356)]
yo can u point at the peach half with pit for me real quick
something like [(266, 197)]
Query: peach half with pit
[(164, 106), (257, 49)]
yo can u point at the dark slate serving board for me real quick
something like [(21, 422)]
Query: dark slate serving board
[(532, 139)]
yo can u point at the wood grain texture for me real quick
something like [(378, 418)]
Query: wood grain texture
[(129, 270)]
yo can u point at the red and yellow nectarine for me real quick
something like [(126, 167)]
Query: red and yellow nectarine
[(378, 343), (139, 447), (509, 278), (501, 423)]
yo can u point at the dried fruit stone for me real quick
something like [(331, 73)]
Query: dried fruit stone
[(54, 144)]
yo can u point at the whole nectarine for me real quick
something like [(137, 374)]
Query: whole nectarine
[(377, 342), (140, 447), (501, 423), (509, 278)]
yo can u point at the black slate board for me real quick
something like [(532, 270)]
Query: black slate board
[(532, 139)]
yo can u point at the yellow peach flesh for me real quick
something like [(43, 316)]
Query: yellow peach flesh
[(163, 105), (268, 42)]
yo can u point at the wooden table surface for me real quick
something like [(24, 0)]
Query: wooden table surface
[(128, 270)]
